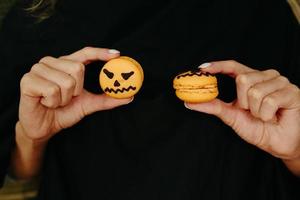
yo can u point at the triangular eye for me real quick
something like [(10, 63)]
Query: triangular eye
[(109, 74), (126, 76)]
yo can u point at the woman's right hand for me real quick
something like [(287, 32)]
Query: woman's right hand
[(53, 97)]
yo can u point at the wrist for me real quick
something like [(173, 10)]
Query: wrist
[(25, 141), (27, 156)]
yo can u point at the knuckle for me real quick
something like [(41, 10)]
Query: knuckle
[(283, 79), (266, 117), (241, 79), (25, 80), (62, 57), (294, 88), (255, 93), (69, 83), (53, 90), (45, 59), (270, 101), (295, 91), (272, 72), (35, 67), (87, 49), (78, 68), (51, 104), (232, 62)]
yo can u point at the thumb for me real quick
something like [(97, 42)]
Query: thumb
[(91, 103), (241, 121), (225, 111)]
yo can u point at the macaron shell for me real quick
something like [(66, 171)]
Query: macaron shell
[(196, 96), (125, 88)]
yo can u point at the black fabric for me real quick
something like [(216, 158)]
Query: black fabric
[(154, 148)]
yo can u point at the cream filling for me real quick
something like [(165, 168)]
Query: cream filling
[(199, 91), (190, 87), (196, 90)]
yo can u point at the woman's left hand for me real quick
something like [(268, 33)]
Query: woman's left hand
[(266, 112)]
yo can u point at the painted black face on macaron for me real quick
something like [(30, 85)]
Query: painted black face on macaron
[(193, 73), (116, 80), (121, 77)]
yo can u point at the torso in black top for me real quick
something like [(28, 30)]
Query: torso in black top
[(154, 148)]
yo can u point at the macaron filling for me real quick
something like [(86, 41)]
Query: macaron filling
[(202, 89)]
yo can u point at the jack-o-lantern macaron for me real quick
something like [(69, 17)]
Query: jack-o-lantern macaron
[(196, 86), (121, 77)]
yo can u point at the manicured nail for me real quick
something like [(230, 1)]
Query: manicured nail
[(204, 65), (185, 104), (113, 51), (131, 100)]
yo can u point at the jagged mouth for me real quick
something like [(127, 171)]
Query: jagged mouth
[(116, 91)]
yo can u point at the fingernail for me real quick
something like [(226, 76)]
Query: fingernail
[(113, 51), (204, 65), (185, 104), (131, 100)]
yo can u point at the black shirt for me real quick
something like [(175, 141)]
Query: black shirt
[(154, 148)]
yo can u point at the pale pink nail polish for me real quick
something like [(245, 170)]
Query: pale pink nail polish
[(185, 104), (113, 51), (204, 65)]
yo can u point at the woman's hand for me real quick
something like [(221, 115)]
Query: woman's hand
[(53, 97), (266, 112)]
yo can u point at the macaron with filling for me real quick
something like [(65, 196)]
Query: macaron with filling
[(196, 86)]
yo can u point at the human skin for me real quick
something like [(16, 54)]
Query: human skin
[(52, 99), (266, 112)]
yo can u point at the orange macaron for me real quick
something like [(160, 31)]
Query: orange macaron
[(196, 86)]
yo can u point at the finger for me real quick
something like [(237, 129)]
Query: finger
[(92, 103), (89, 54), (230, 67), (257, 92), (35, 89), (287, 98), (245, 81), (64, 81), (73, 68)]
